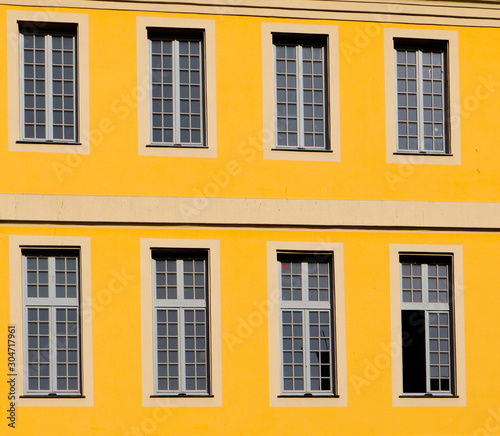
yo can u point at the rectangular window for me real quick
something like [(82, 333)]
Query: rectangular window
[(427, 325), (177, 91), (48, 82), (422, 97), (300, 69), (306, 320), (51, 300), (180, 323)]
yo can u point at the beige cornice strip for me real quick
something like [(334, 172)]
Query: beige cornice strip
[(110, 210), (481, 14)]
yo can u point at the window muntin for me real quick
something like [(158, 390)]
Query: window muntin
[(421, 99), (48, 85), (426, 316), (180, 324), (306, 325), (300, 94), (177, 92), (51, 296)]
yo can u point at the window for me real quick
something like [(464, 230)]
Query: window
[(422, 93), (177, 94), (51, 311), (48, 83), (301, 93), (300, 78), (422, 97), (180, 323), (427, 325), (306, 320)]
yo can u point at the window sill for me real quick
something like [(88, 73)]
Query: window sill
[(47, 142), (308, 396), (56, 396), (181, 396), (420, 153), (303, 150), (428, 396), (199, 147)]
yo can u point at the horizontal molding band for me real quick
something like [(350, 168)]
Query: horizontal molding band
[(478, 13), (193, 211)]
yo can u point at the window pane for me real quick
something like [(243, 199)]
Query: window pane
[(177, 112)]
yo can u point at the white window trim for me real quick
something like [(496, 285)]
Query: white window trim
[(16, 244), (49, 94), (50, 303), (14, 80), (457, 303), (453, 154), (149, 397), (180, 305), (305, 307), (209, 149), (276, 399), (271, 151)]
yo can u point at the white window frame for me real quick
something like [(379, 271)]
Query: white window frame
[(149, 396), (332, 120), (174, 39), (446, 37), (276, 399), (299, 46), (181, 305), (419, 46), (49, 122), (14, 77), (17, 244), (50, 303), (305, 307), (400, 399), (171, 25), (426, 306)]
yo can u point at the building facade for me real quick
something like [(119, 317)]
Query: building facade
[(253, 218)]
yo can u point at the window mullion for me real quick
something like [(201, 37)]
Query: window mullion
[(305, 325), (420, 100), (52, 324), (176, 93), (52, 279), (181, 318), (427, 354), (182, 360), (425, 283), (300, 97), (180, 280), (307, 357), (53, 349), (49, 89)]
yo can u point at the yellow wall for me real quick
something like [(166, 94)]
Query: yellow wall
[(362, 173), (114, 168), (116, 340)]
